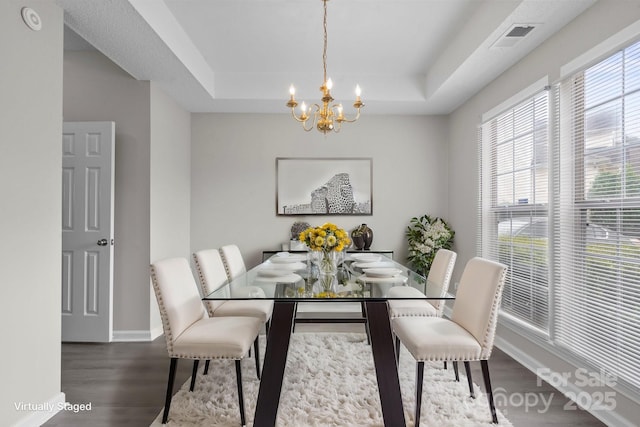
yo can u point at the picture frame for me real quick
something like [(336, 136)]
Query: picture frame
[(324, 186)]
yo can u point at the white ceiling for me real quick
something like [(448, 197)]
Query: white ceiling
[(409, 56)]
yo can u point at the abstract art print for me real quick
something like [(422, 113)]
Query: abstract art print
[(324, 186)]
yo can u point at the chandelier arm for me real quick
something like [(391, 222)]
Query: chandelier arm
[(293, 114), (313, 116), (345, 119)]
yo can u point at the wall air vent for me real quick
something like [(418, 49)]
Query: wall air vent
[(513, 35)]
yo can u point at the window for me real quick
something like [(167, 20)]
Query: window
[(596, 207), (514, 205)]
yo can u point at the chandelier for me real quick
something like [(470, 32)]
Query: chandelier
[(326, 117)]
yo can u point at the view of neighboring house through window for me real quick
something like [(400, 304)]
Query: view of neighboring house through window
[(596, 277), (560, 205)]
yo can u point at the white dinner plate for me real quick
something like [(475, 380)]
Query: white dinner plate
[(377, 264), (273, 272), (366, 257), (394, 279), (290, 278), (382, 272), (291, 266), (287, 259)]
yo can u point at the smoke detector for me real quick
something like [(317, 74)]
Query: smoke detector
[(513, 35)]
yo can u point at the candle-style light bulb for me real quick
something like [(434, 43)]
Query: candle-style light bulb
[(303, 107), (358, 91), (329, 84), (340, 115), (292, 90)]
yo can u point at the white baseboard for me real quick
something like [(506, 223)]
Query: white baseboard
[(137, 336), (37, 418)]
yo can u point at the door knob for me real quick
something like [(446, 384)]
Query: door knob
[(103, 242)]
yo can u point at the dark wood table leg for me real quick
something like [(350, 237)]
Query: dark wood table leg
[(275, 359), (384, 359)]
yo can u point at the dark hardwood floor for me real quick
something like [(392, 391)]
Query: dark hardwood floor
[(126, 382)]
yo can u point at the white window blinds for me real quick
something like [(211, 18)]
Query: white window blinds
[(596, 211), (514, 205)]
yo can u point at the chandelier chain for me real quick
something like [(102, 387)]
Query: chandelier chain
[(324, 52)]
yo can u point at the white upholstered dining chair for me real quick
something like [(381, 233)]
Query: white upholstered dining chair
[(439, 278), (233, 261), (212, 275), (189, 331), (467, 336)]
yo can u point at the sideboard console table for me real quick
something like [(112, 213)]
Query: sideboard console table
[(388, 253)]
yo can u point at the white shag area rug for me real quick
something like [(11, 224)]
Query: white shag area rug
[(329, 381)]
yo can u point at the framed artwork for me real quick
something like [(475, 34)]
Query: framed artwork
[(324, 186)]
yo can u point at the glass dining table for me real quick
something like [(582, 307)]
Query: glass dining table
[(289, 279)]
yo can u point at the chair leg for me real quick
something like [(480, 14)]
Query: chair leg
[(467, 368), (267, 325), (295, 314), (194, 374), (487, 386), (240, 395), (366, 323), (419, 379), (455, 370), (256, 345), (172, 375), (445, 364), (206, 367), (397, 349)]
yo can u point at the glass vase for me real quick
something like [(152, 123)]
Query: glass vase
[(327, 262)]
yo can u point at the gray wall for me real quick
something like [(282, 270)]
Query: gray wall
[(170, 185), (234, 176), (598, 23), (30, 214)]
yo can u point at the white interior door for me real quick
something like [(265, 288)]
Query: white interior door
[(87, 231)]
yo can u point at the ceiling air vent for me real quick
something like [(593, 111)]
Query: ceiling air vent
[(513, 35)]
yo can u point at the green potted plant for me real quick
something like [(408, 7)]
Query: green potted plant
[(426, 235)]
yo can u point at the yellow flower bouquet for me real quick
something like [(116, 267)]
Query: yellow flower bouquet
[(326, 238)]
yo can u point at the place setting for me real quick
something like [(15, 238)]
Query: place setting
[(281, 268), (382, 275), (376, 268), (277, 275), (287, 258)]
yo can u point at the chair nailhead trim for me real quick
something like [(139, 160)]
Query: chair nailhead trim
[(165, 321), (205, 357), (487, 344), (225, 262), (204, 284)]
